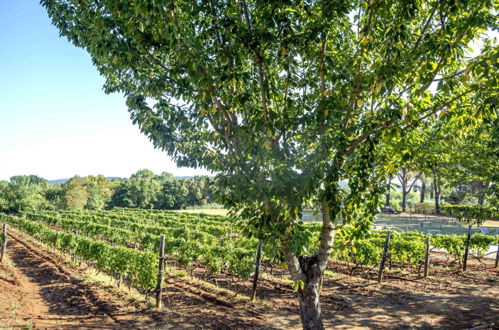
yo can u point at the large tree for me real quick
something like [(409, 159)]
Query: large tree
[(476, 169), (407, 179), (100, 190), (75, 193), (25, 193), (141, 191), (286, 99), (4, 192)]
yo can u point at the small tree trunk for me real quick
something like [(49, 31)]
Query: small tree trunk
[(423, 191), (481, 193), (387, 195), (437, 197), (480, 199), (404, 199)]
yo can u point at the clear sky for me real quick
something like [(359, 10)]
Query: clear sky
[(55, 120)]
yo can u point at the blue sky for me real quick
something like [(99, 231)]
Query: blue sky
[(55, 120)]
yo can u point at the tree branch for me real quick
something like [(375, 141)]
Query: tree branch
[(327, 237), (259, 63), (291, 259)]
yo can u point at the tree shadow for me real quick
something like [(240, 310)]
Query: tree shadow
[(64, 295), (392, 308)]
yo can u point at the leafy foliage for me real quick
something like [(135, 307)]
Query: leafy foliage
[(285, 100), (138, 266), (144, 189), (475, 214)]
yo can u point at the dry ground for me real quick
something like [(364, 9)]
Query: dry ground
[(40, 289)]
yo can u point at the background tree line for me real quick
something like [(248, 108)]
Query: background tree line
[(144, 189), (449, 167)]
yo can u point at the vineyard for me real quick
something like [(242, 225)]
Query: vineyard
[(125, 244), (214, 250)]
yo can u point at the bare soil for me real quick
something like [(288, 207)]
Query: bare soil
[(40, 289)]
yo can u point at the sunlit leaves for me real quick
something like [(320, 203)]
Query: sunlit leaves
[(284, 100)]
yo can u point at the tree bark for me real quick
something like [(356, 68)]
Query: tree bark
[(310, 307), (480, 200), (307, 272), (405, 178), (387, 195), (423, 191), (404, 199), (437, 196), (481, 192)]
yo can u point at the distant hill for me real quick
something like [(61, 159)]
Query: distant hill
[(58, 181), (343, 184), (62, 181)]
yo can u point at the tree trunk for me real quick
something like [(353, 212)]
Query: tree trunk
[(480, 200), (481, 192), (404, 198), (437, 197), (402, 176), (310, 307), (405, 178), (423, 191), (387, 195), (307, 271)]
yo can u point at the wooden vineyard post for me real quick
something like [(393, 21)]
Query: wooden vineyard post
[(497, 256), (161, 270), (4, 242), (74, 250), (427, 257), (135, 238), (257, 270), (383, 258), (467, 248)]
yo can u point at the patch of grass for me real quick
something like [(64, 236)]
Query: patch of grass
[(180, 273), (332, 275), (286, 281), (5, 274), (28, 325), (103, 280), (14, 306)]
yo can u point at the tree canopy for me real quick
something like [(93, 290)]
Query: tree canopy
[(286, 99), (144, 189)]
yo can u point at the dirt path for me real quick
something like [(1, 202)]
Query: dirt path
[(38, 290)]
